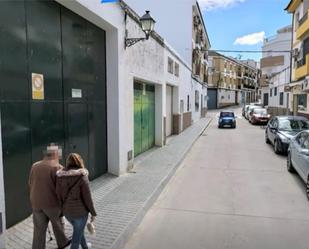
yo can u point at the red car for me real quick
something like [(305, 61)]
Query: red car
[(259, 116)]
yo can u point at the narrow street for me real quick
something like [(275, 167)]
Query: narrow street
[(232, 191)]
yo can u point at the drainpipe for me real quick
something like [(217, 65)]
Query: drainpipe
[(291, 68)]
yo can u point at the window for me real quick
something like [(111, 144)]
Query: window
[(197, 100), (276, 89), (301, 138), (302, 102), (188, 103), (281, 99), (306, 144), (271, 92), (176, 69), (170, 65)]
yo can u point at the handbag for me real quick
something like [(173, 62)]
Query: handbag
[(91, 227)]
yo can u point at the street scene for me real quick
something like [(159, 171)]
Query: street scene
[(244, 199), (143, 124)]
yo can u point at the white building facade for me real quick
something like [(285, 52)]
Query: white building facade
[(151, 89), (275, 70), (149, 66), (186, 33)]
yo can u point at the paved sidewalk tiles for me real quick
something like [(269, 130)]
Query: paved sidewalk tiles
[(122, 202)]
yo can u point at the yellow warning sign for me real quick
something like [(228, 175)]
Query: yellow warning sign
[(37, 86)]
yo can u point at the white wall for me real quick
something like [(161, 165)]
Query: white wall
[(279, 81), (173, 20), (144, 62), (182, 84), (226, 96), (281, 42), (202, 90)]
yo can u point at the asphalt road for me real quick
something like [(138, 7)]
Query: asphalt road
[(231, 191)]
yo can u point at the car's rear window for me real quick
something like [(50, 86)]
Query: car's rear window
[(260, 111), (227, 114), (293, 125)]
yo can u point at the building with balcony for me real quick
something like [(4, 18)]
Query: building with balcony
[(186, 32), (84, 88), (299, 86), (275, 71), (230, 81)]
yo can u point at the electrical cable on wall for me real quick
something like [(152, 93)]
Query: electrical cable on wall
[(250, 51)]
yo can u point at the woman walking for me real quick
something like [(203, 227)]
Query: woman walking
[(74, 194)]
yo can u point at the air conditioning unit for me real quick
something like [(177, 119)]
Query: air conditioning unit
[(305, 85), (295, 53)]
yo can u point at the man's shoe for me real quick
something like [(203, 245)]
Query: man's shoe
[(66, 245)]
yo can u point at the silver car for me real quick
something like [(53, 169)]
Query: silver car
[(298, 156)]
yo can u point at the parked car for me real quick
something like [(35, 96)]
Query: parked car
[(249, 109), (257, 104), (298, 157), (259, 116), (227, 118), (243, 112), (281, 129)]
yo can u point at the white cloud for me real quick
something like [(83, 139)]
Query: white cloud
[(216, 4), (250, 39)]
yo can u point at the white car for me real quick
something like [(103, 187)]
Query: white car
[(249, 109)]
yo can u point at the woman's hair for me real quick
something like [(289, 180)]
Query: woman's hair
[(74, 161)]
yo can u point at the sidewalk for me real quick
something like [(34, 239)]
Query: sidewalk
[(121, 202)]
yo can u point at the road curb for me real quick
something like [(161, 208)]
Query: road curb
[(120, 242)]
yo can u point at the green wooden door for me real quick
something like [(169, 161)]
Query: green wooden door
[(144, 118), (137, 121)]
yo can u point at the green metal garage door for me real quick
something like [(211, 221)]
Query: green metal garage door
[(144, 118)]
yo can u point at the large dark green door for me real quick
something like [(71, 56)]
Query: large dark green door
[(41, 36), (144, 118)]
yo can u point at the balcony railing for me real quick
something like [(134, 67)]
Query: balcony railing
[(303, 27), (301, 62), (302, 69)]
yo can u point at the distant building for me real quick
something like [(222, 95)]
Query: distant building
[(275, 71), (299, 86), (230, 81)]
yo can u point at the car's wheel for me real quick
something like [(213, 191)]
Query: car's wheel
[(266, 138), (289, 163), (276, 147)]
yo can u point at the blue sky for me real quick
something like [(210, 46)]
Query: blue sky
[(227, 20)]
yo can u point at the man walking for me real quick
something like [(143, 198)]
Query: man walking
[(44, 202)]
